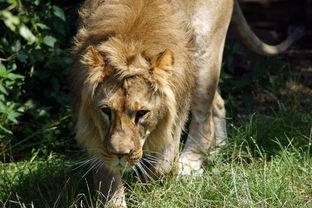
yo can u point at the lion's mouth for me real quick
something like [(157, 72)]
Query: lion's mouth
[(119, 164)]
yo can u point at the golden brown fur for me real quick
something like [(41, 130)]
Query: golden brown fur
[(138, 67), (131, 38)]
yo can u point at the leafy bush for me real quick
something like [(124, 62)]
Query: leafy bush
[(243, 73), (33, 74)]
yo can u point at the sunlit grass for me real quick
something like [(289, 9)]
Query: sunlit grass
[(267, 163)]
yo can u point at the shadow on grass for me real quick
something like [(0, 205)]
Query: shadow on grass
[(45, 183)]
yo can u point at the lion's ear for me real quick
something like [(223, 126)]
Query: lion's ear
[(162, 68), (96, 65), (93, 58), (164, 61)]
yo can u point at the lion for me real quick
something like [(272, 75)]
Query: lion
[(139, 68)]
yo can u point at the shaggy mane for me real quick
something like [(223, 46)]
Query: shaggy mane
[(125, 31), (142, 26)]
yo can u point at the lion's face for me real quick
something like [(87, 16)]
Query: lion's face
[(127, 113), (119, 112)]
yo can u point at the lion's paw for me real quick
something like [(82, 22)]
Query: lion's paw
[(191, 172), (188, 166)]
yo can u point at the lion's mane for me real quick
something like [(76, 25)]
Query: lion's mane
[(145, 27)]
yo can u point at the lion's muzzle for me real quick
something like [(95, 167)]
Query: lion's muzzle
[(123, 161)]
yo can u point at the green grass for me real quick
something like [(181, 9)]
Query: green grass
[(267, 163)]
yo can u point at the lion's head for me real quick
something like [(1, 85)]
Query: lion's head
[(131, 79), (122, 104)]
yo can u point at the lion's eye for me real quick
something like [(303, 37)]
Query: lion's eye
[(140, 114), (107, 111)]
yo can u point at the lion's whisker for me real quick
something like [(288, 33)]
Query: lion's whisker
[(83, 163), (140, 165), (134, 168), (80, 164), (92, 165), (150, 161), (152, 157), (84, 160), (150, 177), (153, 152), (155, 160), (99, 164)]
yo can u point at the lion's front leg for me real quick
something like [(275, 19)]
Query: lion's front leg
[(206, 133), (200, 139), (220, 136), (167, 159), (207, 128), (110, 187), (163, 162)]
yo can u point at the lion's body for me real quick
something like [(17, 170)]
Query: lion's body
[(139, 67)]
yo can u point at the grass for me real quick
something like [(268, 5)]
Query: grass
[(267, 163)]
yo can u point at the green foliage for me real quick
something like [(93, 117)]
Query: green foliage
[(34, 63), (244, 72)]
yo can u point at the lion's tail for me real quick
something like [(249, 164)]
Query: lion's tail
[(251, 41)]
